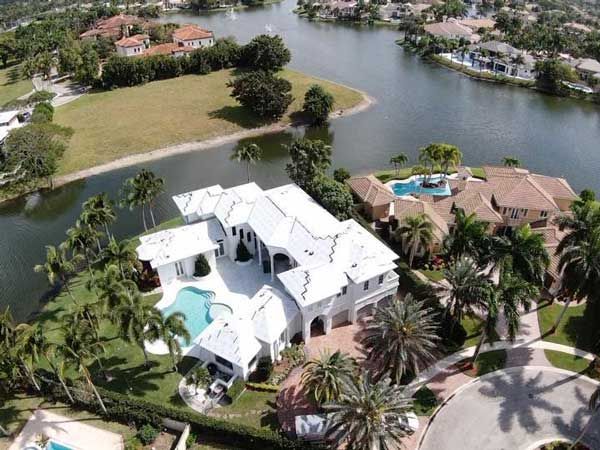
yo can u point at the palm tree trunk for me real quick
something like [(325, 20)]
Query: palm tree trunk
[(98, 244), (65, 388), (411, 257), (31, 375), (479, 345), (66, 283), (584, 431), (108, 235), (143, 347), (152, 215), (560, 317), (96, 393), (248, 171), (4, 431), (144, 217)]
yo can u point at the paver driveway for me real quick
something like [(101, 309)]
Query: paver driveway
[(512, 409)]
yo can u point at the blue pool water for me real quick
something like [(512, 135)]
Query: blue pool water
[(195, 304), (56, 446), (414, 187)]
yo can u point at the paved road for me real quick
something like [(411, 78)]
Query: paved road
[(512, 409)]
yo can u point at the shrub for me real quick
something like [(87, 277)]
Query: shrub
[(236, 389), (201, 266), (266, 53), (264, 368), (42, 113), (266, 387), (147, 434), (341, 175), (263, 93), (224, 54), (318, 103), (191, 439), (242, 253)]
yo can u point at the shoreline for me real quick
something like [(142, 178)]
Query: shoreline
[(194, 146)]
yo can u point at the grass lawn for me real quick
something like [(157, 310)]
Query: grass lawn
[(571, 362), (253, 408), (433, 275), (490, 362), (113, 124), (11, 84), (424, 402), (577, 329), (473, 326)]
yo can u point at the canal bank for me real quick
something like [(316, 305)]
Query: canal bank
[(417, 102)]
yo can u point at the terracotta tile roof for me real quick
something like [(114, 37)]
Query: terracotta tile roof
[(476, 24), (404, 208), (476, 203), (525, 193), (556, 187), (128, 42), (370, 190), (118, 21), (140, 37), (189, 32), (499, 171), (552, 237), (101, 32), (449, 28), (169, 48)]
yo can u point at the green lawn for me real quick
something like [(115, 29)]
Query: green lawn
[(433, 275), (424, 402), (113, 124), (577, 328), (570, 362), (253, 408), (11, 84), (490, 362), (473, 326)]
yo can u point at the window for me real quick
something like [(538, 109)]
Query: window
[(366, 286), (223, 362), (221, 250), (543, 214), (514, 213), (233, 231), (249, 236), (179, 268), (344, 290), (241, 234), (504, 211), (380, 279)]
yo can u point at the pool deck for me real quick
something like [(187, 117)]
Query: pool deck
[(232, 283), (67, 431)]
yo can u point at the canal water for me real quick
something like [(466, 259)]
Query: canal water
[(417, 103)]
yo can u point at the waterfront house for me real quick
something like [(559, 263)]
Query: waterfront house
[(452, 29), (477, 24), (500, 57), (309, 271), (400, 11), (193, 36), (374, 196), (9, 120), (185, 40), (132, 46), (114, 28), (588, 70)]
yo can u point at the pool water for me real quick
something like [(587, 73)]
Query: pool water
[(52, 445), (195, 304), (414, 187)]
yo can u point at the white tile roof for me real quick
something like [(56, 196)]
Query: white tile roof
[(235, 204), (201, 201), (271, 311), (7, 116), (173, 245)]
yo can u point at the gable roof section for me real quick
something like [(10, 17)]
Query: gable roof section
[(523, 193), (271, 311), (129, 42), (404, 208), (200, 201), (558, 188), (191, 32), (370, 190)]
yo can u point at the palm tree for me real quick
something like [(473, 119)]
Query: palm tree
[(141, 191), (113, 291), (466, 236), (402, 337), (466, 290), (87, 314), (99, 211), (29, 344), (57, 267), (450, 155), (323, 376), (368, 415), (78, 349), (417, 233), (594, 407), (170, 330), (121, 254), (57, 365), (80, 240), (399, 160), (430, 157), (511, 161), (249, 154)]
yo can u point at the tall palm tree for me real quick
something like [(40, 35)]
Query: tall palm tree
[(78, 349), (430, 157), (57, 267), (249, 154), (170, 330), (402, 337), (29, 344), (87, 314), (399, 160), (99, 211), (57, 364), (80, 240), (323, 376), (113, 291), (466, 236), (450, 155), (467, 289), (416, 232), (141, 191), (121, 254), (594, 407), (511, 161), (369, 415)]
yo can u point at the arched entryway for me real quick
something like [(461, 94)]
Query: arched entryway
[(317, 326), (281, 263)]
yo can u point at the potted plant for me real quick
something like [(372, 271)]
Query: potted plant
[(243, 256), (201, 266)]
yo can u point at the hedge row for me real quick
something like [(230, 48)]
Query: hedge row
[(266, 387), (128, 410)]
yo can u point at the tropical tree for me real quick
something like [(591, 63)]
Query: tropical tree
[(57, 364), (318, 103), (171, 330), (511, 161), (121, 254), (249, 154), (323, 376), (309, 160), (99, 211), (466, 236), (398, 161), (141, 191), (57, 267), (369, 415), (29, 344), (80, 240), (430, 157), (88, 315), (450, 156), (416, 232), (113, 290), (402, 337)]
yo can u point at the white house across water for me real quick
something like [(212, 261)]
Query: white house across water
[(309, 272)]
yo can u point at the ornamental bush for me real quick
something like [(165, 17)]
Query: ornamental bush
[(242, 253), (263, 93), (201, 266), (42, 113), (318, 103), (147, 434), (236, 389)]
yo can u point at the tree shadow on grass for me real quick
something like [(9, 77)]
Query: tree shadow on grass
[(269, 419), (13, 75), (240, 116)]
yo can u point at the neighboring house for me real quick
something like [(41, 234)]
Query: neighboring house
[(452, 29), (588, 70), (399, 11), (476, 24), (500, 57), (193, 36), (8, 121), (374, 196), (132, 46), (318, 272), (114, 27), (405, 207), (338, 10)]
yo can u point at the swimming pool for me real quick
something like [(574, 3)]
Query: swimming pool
[(413, 186), (53, 445), (196, 305)]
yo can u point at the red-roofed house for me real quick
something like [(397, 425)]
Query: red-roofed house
[(132, 46), (193, 36)]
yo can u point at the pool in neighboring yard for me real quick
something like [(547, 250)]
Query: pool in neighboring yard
[(413, 186), (53, 445), (195, 304)]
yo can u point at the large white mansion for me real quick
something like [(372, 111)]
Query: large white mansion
[(309, 270)]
